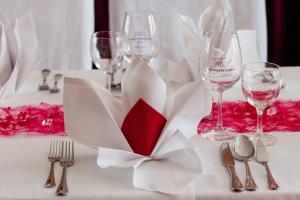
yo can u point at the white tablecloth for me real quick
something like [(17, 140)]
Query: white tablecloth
[(24, 166)]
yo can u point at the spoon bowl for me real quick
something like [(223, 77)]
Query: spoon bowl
[(243, 148)]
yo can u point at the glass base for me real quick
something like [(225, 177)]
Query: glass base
[(219, 134), (268, 140)]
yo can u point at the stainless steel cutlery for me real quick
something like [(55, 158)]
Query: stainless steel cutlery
[(54, 156), (67, 160), (62, 152), (262, 157), (228, 162), (244, 150)]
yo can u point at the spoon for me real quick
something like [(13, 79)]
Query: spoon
[(244, 150)]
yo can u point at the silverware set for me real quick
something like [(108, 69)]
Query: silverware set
[(62, 152), (244, 150), (45, 86)]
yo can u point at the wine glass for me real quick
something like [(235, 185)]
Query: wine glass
[(106, 51), (140, 34), (222, 64), (261, 85)]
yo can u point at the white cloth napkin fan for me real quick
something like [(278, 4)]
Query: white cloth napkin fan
[(218, 16), (94, 117), (19, 53)]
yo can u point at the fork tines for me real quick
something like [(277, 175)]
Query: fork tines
[(67, 156)]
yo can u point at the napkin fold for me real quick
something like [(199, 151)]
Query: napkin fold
[(218, 16), (5, 64), (148, 129), (178, 72), (19, 53), (248, 43)]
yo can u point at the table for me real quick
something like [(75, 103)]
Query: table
[(24, 166)]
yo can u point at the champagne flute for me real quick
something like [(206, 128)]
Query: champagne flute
[(222, 63), (261, 84), (106, 52), (140, 34)]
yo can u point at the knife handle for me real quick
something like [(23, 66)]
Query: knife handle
[(236, 184), (271, 181)]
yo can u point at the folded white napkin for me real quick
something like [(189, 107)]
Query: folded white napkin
[(19, 53), (178, 72), (218, 16), (5, 64), (172, 163), (248, 43)]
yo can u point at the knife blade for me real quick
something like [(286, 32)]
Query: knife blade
[(262, 157), (228, 162), (261, 152)]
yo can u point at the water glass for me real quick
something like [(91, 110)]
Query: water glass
[(106, 52), (261, 84)]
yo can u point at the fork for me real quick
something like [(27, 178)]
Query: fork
[(67, 160), (53, 156)]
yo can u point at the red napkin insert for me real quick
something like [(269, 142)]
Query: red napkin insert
[(142, 127)]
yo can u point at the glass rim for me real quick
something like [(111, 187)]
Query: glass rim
[(209, 33), (109, 33), (136, 12), (246, 66)]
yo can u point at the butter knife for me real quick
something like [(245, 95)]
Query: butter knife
[(262, 157), (228, 162)]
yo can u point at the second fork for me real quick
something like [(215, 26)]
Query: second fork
[(67, 160)]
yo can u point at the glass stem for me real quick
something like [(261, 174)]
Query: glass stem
[(220, 121), (112, 72), (108, 81), (259, 128), (112, 78)]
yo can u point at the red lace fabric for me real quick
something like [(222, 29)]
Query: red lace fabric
[(42, 119), (241, 116), (46, 119)]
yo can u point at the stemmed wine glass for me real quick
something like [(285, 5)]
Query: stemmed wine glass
[(140, 34), (261, 85), (222, 64), (106, 50)]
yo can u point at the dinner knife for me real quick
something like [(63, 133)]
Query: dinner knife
[(262, 157), (228, 162)]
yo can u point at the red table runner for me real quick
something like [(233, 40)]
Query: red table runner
[(283, 115), (42, 119), (46, 119)]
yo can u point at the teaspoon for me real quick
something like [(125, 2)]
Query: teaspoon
[(244, 150)]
